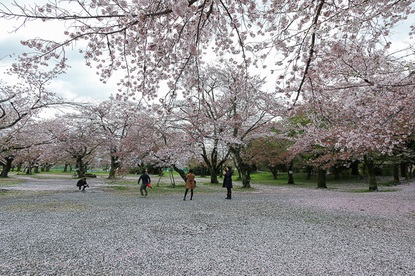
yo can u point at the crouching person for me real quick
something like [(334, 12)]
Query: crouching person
[(82, 184)]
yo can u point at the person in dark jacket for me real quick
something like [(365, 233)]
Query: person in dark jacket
[(145, 180), (190, 184), (82, 184), (227, 181)]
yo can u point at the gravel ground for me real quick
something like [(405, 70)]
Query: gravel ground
[(52, 229)]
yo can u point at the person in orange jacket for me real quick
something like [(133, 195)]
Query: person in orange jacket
[(190, 184)]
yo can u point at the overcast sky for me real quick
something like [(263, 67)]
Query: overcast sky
[(80, 82)]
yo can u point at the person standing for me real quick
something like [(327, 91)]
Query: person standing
[(227, 181), (145, 180), (190, 184)]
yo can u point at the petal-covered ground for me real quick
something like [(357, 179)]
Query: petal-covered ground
[(49, 228)]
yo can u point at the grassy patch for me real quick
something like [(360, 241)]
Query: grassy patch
[(8, 181), (300, 180)]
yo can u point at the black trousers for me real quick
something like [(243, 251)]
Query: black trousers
[(191, 193), (229, 190)]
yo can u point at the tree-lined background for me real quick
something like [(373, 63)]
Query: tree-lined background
[(283, 85)]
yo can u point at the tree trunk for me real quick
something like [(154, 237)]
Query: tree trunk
[(396, 180), (309, 172), (246, 179), (274, 171), (244, 170), (19, 167), (355, 167), (337, 172), (80, 167), (36, 168), (321, 178), (113, 167), (46, 167), (213, 164), (370, 166), (245, 174), (214, 176), (404, 170), (29, 168), (181, 172), (7, 167)]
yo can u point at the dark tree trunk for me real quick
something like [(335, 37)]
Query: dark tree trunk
[(115, 164), (321, 178), (213, 163), (244, 169), (46, 167), (29, 168), (370, 167), (246, 176), (214, 172), (7, 167), (181, 172), (36, 168), (337, 172), (274, 171), (396, 180), (80, 166), (309, 172), (355, 167), (404, 170), (19, 167)]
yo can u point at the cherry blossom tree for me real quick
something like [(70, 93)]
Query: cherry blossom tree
[(78, 138), (114, 121), (167, 144), (203, 118), (251, 114), (360, 104), (152, 41), (300, 42), (224, 111), (24, 145), (25, 100), (20, 106)]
